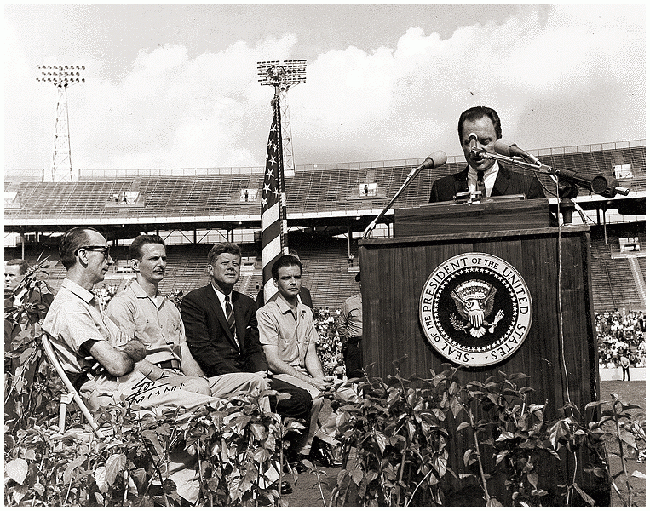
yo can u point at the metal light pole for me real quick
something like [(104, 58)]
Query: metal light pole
[(61, 77), (282, 75)]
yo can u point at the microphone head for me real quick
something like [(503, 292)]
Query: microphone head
[(435, 159), (503, 148)]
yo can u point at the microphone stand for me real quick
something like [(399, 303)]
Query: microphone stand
[(408, 180), (607, 191)]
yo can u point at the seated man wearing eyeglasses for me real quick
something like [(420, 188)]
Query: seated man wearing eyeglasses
[(98, 357)]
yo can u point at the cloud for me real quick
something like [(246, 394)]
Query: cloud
[(566, 77)]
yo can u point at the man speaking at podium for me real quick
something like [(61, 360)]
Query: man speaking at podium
[(478, 129)]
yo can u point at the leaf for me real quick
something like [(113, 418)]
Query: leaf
[(466, 456), (100, 479), (17, 470), (153, 438), (114, 466), (456, 407), (67, 476), (595, 403), (462, 425), (628, 438), (506, 436), (533, 479), (259, 431), (638, 474), (382, 441), (357, 475)]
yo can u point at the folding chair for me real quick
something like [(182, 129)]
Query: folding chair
[(72, 393)]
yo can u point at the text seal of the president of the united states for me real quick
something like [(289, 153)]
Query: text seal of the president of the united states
[(475, 309)]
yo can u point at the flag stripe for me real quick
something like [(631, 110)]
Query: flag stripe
[(271, 250), (270, 215)]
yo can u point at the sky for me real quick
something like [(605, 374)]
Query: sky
[(175, 86)]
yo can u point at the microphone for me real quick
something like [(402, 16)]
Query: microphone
[(473, 146), (506, 149), (434, 160), (602, 185)]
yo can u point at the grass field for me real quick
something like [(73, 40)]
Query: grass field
[(307, 490)]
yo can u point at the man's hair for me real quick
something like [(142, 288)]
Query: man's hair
[(70, 242), (18, 262), (223, 248), (474, 114), (135, 250), (285, 261)]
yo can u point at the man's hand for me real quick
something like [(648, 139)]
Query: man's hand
[(135, 350), (265, 375), (322, 383)]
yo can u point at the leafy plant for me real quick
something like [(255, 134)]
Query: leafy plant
[(397, 431), (618, 425)]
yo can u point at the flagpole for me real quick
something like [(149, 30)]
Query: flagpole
[(274, 199), (284, 233)]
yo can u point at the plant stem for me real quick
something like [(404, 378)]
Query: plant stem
[(621, 452)]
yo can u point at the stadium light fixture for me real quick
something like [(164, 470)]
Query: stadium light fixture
[(282, 75), (62, 77)]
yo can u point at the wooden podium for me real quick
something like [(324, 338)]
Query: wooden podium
[(397, 275)]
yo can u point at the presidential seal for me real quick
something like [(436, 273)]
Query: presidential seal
[(475, 309)]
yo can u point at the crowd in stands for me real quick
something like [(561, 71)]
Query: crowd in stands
[(330, 346), (621, 335)]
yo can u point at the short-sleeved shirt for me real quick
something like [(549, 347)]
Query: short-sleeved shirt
[(351, 319), (156, 323), (292, 334), (73, 320)]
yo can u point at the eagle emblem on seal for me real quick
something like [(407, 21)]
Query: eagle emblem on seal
[(474, 302)]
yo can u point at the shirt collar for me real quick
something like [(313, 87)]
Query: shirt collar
[(141, 293), (283, 305), (489, 172), (220, 294), (76, 289)]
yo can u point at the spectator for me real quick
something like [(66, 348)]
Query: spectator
[(140, 311), (289, 339), (304, 295), (350, 326), (625, 365)]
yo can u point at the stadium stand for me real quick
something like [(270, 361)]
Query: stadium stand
[(313, 192)]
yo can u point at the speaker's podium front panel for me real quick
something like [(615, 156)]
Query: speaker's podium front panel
[(476, 285)]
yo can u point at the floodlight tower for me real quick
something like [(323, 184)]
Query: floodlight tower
[(61, 77), (282, 75)]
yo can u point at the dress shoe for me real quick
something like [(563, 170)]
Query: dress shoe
[(286, 487), (321, 454)]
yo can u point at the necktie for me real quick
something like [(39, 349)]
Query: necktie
[(480, 182), (230, 317)]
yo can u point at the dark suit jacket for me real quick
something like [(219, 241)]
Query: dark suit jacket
[(508, 182), (210, 340)]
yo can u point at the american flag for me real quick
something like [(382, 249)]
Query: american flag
[(274, 207)]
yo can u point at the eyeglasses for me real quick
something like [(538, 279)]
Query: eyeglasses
[(98, 248)]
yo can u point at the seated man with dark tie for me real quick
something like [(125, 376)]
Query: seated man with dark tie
[(480, 127), (223, 337)]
